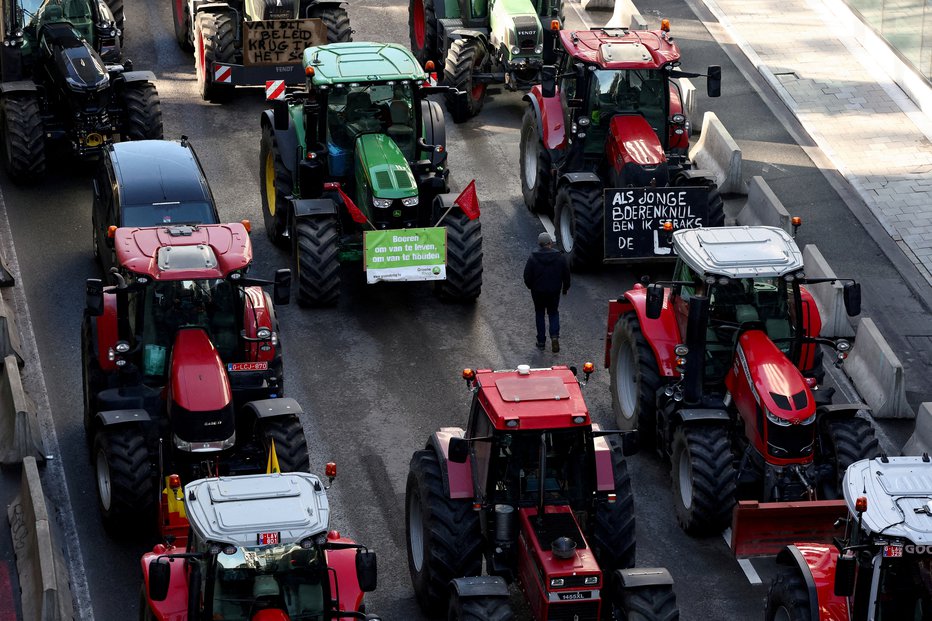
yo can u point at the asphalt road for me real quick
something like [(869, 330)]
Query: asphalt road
[(380, 371)]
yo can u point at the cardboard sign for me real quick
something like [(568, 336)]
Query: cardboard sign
[(405, 254), (634, 219), (280, 41)]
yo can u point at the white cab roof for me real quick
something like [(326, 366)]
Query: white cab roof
[(894, 491), (237, 509), (739, 251)]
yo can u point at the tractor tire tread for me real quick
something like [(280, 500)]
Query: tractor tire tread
[(788, 591), (132, 489), (713, 478), (275, 225), (337, 21), (457, 71), (850, 440), (429, 50), (290, 443), (628, 333), (219, 32), (143, 112), (25, 156), (538, 199), (483, 609), (317, 244), (464, 259), (613, 531), (653, 603), (585, 201)]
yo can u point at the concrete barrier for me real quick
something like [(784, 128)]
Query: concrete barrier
[(688, 97), (718, 152), (625, 15), (764, 208), (19, 426), (10, 342), (43, 575), (921, 440), (877, 373), (829, 297)]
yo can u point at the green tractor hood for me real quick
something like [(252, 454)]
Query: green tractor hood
[(516, 26), (382, 170)]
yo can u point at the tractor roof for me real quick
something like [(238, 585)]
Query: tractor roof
[(739, 251), (180, 252), (339, 63), (238, 510), (899, 496), (615, 48), (535, 398)]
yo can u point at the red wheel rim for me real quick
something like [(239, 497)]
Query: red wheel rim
[(478, 90), (202, 57), (419, 23)]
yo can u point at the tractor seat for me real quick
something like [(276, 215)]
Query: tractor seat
[(399, 130), (355, 104), (745, 313)]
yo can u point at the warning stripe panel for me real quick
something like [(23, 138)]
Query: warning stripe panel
[(274, 89), (223, 74)]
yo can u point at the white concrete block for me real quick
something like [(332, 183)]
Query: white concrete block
[(764, 208), (597, 5), (626, 15), (688, 93), (829, 296), (921, 440), (877, 373), (718, 152)]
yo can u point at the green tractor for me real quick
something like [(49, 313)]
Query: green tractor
[(354, 168), (485, 42)]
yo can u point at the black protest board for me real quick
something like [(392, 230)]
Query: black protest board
[(634, 219)]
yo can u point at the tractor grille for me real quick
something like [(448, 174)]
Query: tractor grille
[(558, 525), (575, 611), (384, 179), (790, 442), (403, 180), (526, 29)]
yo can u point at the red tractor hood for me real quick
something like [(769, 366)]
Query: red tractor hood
[(633, 141), (775, 383), (208, 251), (199, 381)]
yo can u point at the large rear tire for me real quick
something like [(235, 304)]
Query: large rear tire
[(536, 178), (464, 58), (716, 207), (335, 19), (578, 223), (143, 112), (653, 603), (480, 609), (276, 182), (215, 41), (464, 259), (703, 476), (845, 441), (613, 532), (290, 443), (444, 540), (184, 28), (422, 30), (93, 378), (126, 491), (634, 379), (788, 598), (24, 137), (317, 261)]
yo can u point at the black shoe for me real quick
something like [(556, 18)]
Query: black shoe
[(555, 345), (541, 344)]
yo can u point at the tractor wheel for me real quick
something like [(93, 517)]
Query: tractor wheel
[(464, 58), (480, 609), (422, 27), (464, 259), (215, 37), (578, 223), (845, 441), (126, 492), (536, 180), (613, 536), (788, 598), (435, 131), (24, 138), (716, 207), (184, 29), (145, 613), (634, 379), (316, 249), (93, 377), (443, 535), (290, 443), (276, 184), (652, 603), (703, 478), (335, 19), (143, 112)]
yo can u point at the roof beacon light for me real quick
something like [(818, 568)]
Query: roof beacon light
[(524, 369), (469, 375), (668, 226), (247, 225), (797, 222), (860, 505), (309, 71), (555, 25), (331, 470), (174, 481), (429, 66), (111, 231), (665, 25)]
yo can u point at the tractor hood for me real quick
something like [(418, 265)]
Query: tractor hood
[(383, 167), (75, 61), (515, 24), (774, 382), (257, 10), (635, 152)]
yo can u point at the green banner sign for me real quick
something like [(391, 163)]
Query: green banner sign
[(406, 254)]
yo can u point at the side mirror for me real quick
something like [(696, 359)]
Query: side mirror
[(280, 114), (94, 297), (852, 295), (548, 81), (458, 450), (845, 569), (654, 300), (281, 292), (367, 573), (713, 82), (630, 443), (159, 578)]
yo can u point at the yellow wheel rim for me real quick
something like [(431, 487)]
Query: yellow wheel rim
[(270, 181)]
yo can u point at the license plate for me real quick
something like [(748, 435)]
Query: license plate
[(268, 539), (893, 551), (575, 595), (233, 367)]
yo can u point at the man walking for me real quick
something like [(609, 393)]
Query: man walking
[(546, 274)]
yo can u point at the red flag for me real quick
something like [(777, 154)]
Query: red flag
[(468, 201), (355, 213)]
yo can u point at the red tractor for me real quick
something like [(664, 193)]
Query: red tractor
[(540, 493), (882, 568), (720, 369), (259, 550), (604, 145), (182, 366)]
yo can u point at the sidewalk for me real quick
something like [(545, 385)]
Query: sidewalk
[(863, 122)]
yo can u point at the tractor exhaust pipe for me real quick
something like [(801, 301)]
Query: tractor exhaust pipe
[(541, 477), (696, 324)]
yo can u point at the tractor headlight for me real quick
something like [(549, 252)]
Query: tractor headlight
[(122, 347), (679, 119), (809, 420), (556, 583), (515, 50), (591, 580), (411, 201), (776, 420), (382, 203), (538, 49), (264, 333)]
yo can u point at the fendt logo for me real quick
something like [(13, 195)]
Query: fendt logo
[(527, 33)]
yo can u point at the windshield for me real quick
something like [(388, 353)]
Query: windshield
[(286, 577), (356, 109), (625, 91), (192, 212)]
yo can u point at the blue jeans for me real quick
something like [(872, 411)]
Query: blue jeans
[(549, 302)]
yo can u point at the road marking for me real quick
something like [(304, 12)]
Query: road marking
[(749, 571), (726, 535), (7, 607)]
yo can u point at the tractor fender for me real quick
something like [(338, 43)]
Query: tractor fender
[(287, 138), (465, 33), (643, 577), (457, 478), (121, 417), (616, 308), (210, 7), (550, 120), (18, 86), (342, 569), (812, 326), (816, 564), (841, 410), (691, 415), (312, 207), (604, 472), (175, 606), (258, 312), (578, 177), (479, 587), (274, 408), (137, 76), (435, 129), (695, 176), (105, 332), (662, 334)]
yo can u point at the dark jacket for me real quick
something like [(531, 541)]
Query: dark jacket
[(547, 271)]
